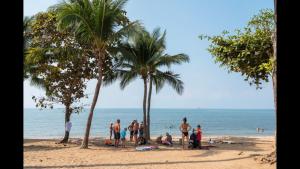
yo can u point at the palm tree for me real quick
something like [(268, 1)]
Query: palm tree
[(141, 56), (98, 24), (29, 69), (159, 78)]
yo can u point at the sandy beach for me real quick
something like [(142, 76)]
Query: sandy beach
[(242, 153)]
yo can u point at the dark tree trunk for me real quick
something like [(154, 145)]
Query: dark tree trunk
[(67, 119), (144, 107), (274, 73), (96, 94), (148, 109)]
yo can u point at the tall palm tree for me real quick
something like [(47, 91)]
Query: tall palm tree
[(141, 56), (159, 78), (99, 24)]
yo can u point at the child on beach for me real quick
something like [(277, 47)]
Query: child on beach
[(117, 127), (185, 128), (199, 135), (110, 130), (123, 136)]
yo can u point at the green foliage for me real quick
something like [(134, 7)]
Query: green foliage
[(60, 63), (142, 54), (250, 51)]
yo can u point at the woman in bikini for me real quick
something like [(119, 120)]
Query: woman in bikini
[(185, 128)]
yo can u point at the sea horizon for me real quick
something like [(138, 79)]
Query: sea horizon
[(215, 122)]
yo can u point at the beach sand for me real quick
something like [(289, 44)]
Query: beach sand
[(240, 155)]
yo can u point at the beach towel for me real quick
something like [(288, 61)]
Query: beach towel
[(146, 148)]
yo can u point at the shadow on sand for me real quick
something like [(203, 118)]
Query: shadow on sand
[(136, 164)]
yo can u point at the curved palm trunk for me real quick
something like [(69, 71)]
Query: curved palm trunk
[(148, 109), (97, 91), (67, 119), (144, 108)]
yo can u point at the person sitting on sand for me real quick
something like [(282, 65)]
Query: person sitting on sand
[(135, 132), (168, 140), (193, 142), (111, 129), (199, 135), (130, 128), (159, 139), (185, 128), (210, 141), (123, 136), (117, 127)]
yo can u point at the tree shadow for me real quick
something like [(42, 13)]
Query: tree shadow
[(137, 164), (42, 148)]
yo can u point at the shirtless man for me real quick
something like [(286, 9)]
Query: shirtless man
[(185, 128), (117, 128)]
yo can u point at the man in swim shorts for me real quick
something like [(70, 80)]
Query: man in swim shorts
[(117, 128)]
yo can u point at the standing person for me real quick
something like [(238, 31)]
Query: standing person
[(123, 136), (135, 132), (117, 128), (130, 128), (185, 128), (141, 130), (141, 138), (68, 129), (199, 135), (111, 129)]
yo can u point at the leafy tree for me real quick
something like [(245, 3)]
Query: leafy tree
[(249, 52), (60, 63), (142, 54), (252, 52), (98, 24)]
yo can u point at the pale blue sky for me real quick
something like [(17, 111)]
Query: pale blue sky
[(206, 84)]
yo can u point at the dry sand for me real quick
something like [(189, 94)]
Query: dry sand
[(47, 154)]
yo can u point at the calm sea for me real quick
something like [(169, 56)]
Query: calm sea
[(233, 122)]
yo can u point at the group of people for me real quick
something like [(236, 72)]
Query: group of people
[(194, 141), (137, 134), (136, 131)]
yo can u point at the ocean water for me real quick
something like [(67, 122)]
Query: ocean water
[(229, 122)]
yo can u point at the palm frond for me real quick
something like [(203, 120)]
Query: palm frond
[(171, 78), (168, 60)]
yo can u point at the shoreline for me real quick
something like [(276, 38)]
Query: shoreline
[(176, 137)]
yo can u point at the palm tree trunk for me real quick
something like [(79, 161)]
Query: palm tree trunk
[(144, 107), (97, 91), (67, 119), (148, 109)]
